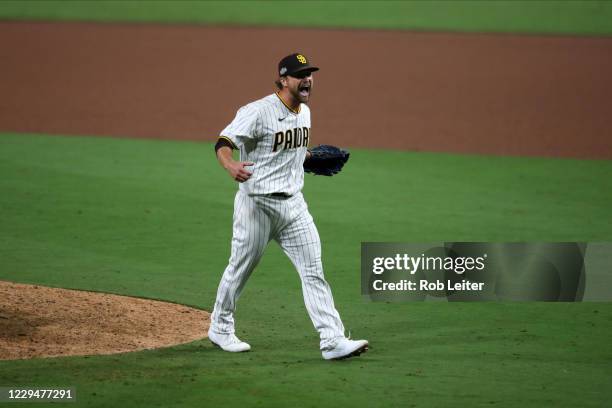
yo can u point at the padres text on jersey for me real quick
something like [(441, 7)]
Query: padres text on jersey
[(291, 139), (275, 138)]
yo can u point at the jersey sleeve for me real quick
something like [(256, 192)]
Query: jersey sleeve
[(244, 127)]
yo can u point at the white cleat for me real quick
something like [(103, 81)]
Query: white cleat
[(346, 348), (228, 342)]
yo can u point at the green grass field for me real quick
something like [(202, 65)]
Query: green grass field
[(153, 219), (525, 16)]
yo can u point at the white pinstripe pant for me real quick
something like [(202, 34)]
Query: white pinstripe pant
[(257, 220)]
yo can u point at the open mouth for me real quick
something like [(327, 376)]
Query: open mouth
[(304, 90)]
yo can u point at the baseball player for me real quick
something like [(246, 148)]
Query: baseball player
[(272, 135)]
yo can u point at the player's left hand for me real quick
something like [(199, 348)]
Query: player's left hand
[(326, 160)]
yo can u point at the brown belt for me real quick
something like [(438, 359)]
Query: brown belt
[(281, 195)]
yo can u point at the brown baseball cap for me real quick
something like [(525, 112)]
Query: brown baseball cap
[(293, 64)]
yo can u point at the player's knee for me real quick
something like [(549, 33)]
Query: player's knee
[(312, 274), (312, 281)]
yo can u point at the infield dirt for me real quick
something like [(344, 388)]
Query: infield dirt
[(468, 93), (38, 321)]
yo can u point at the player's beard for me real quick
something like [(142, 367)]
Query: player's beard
[(303, 98)]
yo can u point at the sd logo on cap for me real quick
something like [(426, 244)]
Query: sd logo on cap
[(293, 64)]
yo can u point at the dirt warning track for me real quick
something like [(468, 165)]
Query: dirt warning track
[(499, 94)]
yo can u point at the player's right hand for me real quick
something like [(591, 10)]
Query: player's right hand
[(238, 172)]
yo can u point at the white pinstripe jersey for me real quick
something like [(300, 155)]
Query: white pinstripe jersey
[(274, 137)]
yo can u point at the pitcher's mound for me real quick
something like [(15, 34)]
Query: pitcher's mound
[(38, 321)]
